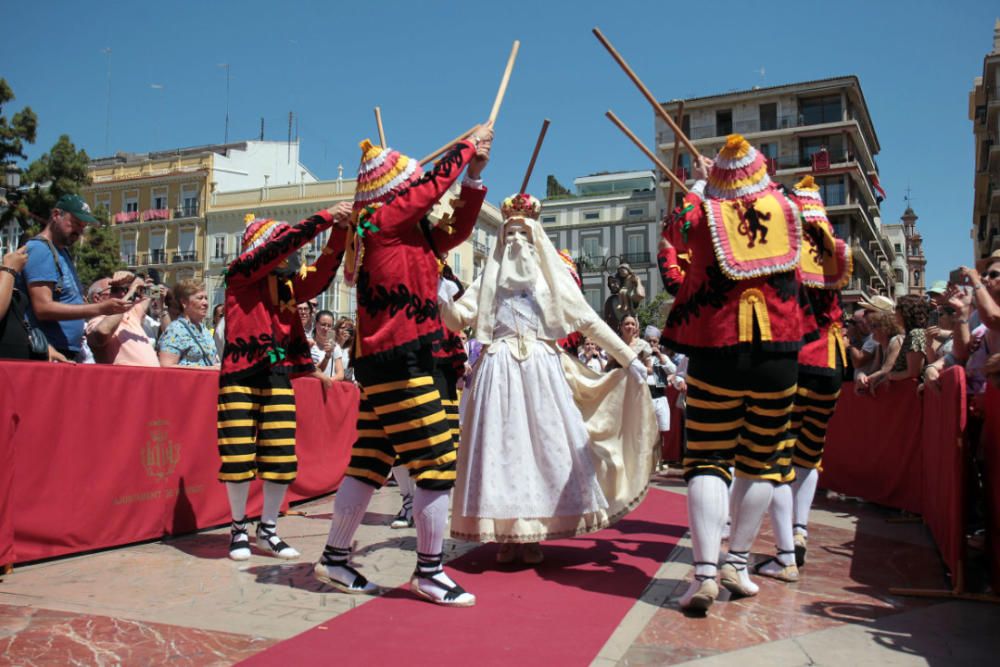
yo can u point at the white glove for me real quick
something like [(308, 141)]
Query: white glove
[(637, 369), (446, 291)]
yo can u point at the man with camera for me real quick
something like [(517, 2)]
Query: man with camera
[(121, 338), (57, 306)]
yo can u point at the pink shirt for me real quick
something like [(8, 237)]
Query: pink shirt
[(129, 345)]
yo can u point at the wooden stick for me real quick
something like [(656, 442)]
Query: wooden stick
[(448, 145), (504, 80), (378, 121), (534, 155), (677, 154), (652, 156), (645, 91)]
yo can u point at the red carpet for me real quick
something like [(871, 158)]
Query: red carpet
[(559, 614)]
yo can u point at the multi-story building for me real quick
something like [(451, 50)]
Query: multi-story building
[(158, 201), (819, 127), (610, 220), (984, 112), (908, 255), (225, 225)]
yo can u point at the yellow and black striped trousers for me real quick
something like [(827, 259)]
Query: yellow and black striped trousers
[(815, 401), (739, 414), (256, 429), (446, 381), (403, 417)]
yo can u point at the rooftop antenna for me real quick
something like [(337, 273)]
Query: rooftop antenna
[(262, 128), (289, 137), (107, 121), (226, 66)]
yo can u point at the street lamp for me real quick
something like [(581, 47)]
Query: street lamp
[(11, 177)]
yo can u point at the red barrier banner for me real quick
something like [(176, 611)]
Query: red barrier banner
[(8, 426), (107, 455), (873, 446), (672, 447), (991, 446), (943, 466)]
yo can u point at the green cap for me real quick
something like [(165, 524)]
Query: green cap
[(74, 204)]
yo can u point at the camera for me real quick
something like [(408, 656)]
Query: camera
[(955, 277)]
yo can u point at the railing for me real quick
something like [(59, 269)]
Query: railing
[(480, 247), (710, 130), (156, 214), (129, 260), (188, 256), (590, 263), (186, 212), (125, 217), (223, 258), (154, 257), (636, 258)]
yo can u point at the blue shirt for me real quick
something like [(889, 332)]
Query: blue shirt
[(193, 343), (40, 268)]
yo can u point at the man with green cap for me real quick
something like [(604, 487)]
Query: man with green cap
[(57, 304)]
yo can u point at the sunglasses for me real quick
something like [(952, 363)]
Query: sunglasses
[(948, 311), (992, 275)]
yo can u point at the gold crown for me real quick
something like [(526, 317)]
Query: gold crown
[(520, 205)]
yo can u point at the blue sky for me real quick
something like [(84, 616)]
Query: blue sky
[(434, 68)]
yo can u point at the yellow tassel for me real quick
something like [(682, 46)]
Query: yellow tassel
[(735, 148), (248, 218), (806, 183)]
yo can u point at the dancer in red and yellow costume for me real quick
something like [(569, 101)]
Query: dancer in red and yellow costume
[(391, 255), (265, 347), (825, 267), (740, 315)]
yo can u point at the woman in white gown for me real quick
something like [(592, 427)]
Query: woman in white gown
[(528, 467)]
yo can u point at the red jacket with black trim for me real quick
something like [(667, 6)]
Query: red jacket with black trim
[(398, 281), (819, 357), (263, 330), (712, 312)]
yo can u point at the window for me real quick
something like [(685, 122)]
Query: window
[(591, 246), (635, 248), (186, 245), (103, 200), (159, 199), (723, 122), (548, 218), (768, 116), (592, 215), (770, 151), (131, 202), (636, 212), (456, 263), (593, 297), (816, 110), (899, 275), (897, 247), (189, 201), (832, 190), (686, 124), (157, 252), (10, 234), (127, 250), (833, 143), (220, 247)]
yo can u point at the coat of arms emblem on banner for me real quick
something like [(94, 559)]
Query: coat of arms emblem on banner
[(160, 454)]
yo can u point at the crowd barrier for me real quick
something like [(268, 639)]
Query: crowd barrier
[(104, 455), (992, 473)]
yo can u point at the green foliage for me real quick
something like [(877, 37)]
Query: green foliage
[(98, 255), (16, 132), (61, 171), (654, 311), (554, 189)]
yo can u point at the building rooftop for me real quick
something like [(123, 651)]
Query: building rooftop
[(123, 157)]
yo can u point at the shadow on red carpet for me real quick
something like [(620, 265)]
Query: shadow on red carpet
[(561, 613)]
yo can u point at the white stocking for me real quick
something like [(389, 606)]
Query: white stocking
[(274, 494), (749, 500), (238, 494), (430, 514), (402, 477), (706, 516), (804, 490), (781, 523), (349, 507)]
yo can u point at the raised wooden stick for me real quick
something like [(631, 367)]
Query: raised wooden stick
[(677, 154), (650, 154), (448, 145), (378, 121), (506, 78), (645, 91), (534, 155)]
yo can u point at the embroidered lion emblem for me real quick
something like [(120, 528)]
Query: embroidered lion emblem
[(751, 224)]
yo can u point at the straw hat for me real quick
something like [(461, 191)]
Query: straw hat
[(382, 173), (984, 263), (739, 170), (879, 303)]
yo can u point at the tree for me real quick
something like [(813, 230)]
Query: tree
[(655, 311), (99, 254), (61, 171), (17, 132), (554, 189)]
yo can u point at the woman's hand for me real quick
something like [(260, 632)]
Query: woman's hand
[(341, 213), (16, 259)]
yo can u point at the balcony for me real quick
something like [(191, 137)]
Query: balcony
[(590, 263), (189, 211), (125, 217), (155, 214), (223, 258), (480, 248), (153, 257), (129, 260), (635, 259), (186, 256)]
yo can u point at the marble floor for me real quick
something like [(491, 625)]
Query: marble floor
[(176, 601)]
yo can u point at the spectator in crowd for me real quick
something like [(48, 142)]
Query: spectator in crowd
[(886, 333), (187, 342), (326, 354), (937, 293), (217, 314), (912, 317), (345, 339), (861, 345), (662, 370), (121, 339), (590, 356), (306, 310), (630, 335), (51, 282), (15, 341)]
